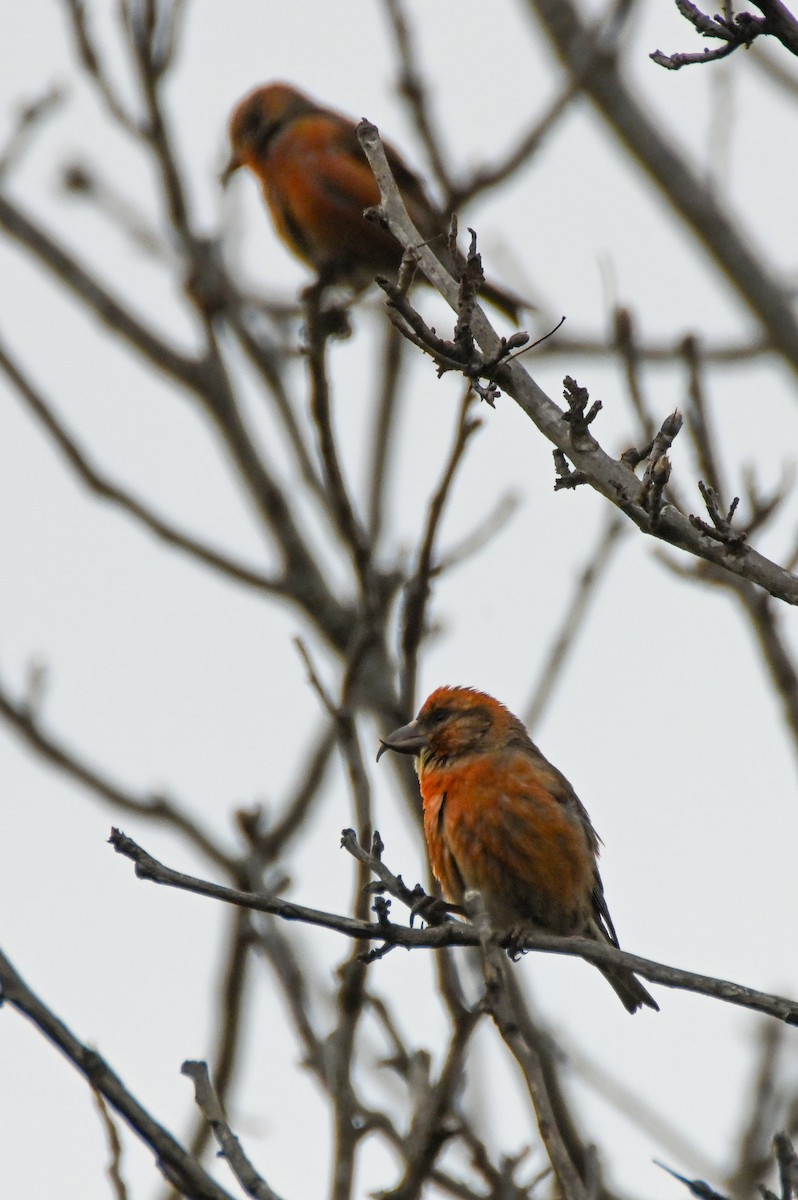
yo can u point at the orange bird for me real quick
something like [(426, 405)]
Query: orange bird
[(317, 181), (501, 820)]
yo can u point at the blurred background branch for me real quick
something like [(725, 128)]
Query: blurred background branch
[(370, 538)]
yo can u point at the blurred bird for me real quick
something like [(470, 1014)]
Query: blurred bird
[(501, 820), (317, 181)]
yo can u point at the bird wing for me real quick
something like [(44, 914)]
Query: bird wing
[(345, 174), (565, 793)]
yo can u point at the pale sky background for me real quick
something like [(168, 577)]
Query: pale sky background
[(166, 677)]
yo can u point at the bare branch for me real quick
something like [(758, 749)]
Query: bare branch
[(97, 299), (80, 181), (229, 1146), (150, 66), (347, 522), (434, 1122), (395, 214), (232, 992), (642, 502), (412, 87), (599, 42), (456, 933), (770, 63), (269, 840), (674, 62), (383, 438), (28, 122), (753, 1144), (721, 527), (102, 487), (698, 422), (491, 524), (416, 899), (269, 365), (92, 64), (756, 280), (171, 1159), (638, 1109), (25, 723), (340, 1055), (417, 588), (574, 346), (735, 32), (787, 1161), (498, 1003)]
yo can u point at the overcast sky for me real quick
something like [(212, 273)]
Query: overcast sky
[(167, 677)]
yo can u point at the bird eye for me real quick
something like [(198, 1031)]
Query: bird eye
[(438, 716)]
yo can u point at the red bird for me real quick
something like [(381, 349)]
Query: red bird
[(501, 820), (317, 182)]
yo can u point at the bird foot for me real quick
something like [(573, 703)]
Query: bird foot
[(515, 940), (430, 909)]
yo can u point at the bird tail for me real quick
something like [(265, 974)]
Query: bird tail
[(503, 300), (626, 985), (629, 988)]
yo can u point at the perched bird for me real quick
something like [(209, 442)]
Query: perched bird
[(501, 820), (317, 181)]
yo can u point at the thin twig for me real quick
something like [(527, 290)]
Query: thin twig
[(587, 582), (411, 85), (83, 182), (271, 839), (351, 992), (156, 808), (384, 435), (696, 1187), (118, 1184), (484, 532), (348, 524), (764, 1104), (417, 589), (97, 299), (698, 422), (92, 64), (269, 363), (435, 1120), (485, 178), (28, 122), (728, 241), (765, 621), (142, 43), (570, 346), (102, 486), (639, 1111)]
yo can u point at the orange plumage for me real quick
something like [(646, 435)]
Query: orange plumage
[(316, 181), (501, 820)]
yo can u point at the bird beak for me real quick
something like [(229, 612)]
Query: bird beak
[(230, 169), (407, 740)]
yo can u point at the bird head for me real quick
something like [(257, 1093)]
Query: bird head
[(453, 722), (259, 118)]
